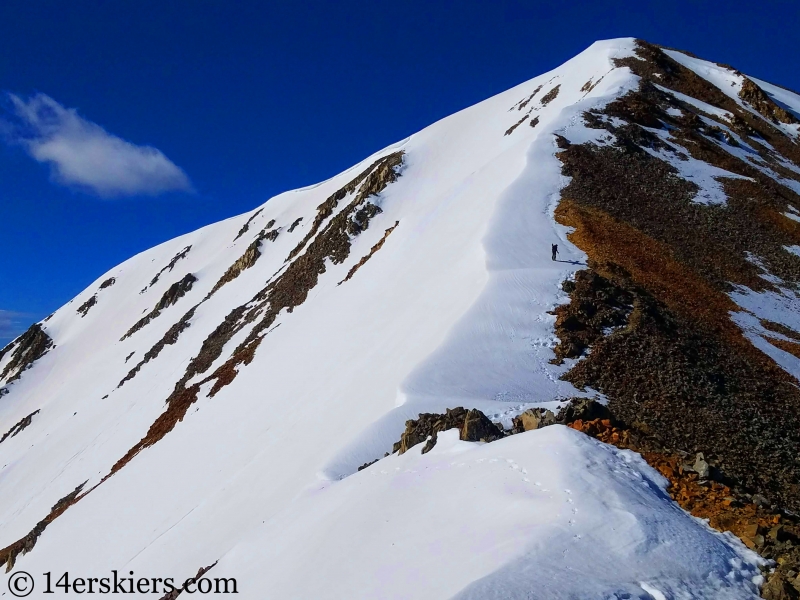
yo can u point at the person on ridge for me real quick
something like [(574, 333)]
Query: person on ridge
[(554, 248)]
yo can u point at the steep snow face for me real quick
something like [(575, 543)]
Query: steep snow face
[(283, 377)]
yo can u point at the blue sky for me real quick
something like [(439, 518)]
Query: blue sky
[(209, 108)]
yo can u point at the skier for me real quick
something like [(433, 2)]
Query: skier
[(554, 248)]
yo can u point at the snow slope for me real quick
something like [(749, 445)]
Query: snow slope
[(452, 310)]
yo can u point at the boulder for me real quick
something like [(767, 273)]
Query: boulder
[(533, 418), (473, 426)]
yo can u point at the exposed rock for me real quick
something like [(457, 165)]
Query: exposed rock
[(701, 467), (525, 102), (511, 129), (174, 293), (550, 96), (472, 424), (84, 308), (672, 360), (372, 251), (534, 122), (368, 464), (168, 339), (371, 181), (108, 283), (777, 588), (245, 261), (19, 426), (287, 291), (758, 99), (585, 409), (8, 555), (296, 222), (775, 535), (25, 350), (192, 580), (598, 306), (246, 226), (533, 418), (171, 265), (248, 259)]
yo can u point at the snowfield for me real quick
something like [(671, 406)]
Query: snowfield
[(545, 514), (452, 310)]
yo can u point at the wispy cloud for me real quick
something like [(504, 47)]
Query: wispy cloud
[(82, 154), (11, 325)]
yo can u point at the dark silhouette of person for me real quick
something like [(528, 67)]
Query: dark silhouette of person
[(554, 248)]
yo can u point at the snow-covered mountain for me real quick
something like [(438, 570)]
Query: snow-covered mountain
[(210, 401)]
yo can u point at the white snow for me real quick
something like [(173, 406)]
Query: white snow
[(793, 214), (782, 307), (704, 175), (698, 104), (551, 510), (765, 273)]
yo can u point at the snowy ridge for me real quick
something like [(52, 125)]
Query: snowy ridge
[(453, 308)]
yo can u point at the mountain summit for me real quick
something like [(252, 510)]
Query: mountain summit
[(252, 396)]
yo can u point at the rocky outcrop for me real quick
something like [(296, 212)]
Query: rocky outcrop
[(550, 96), (175, 292), (527, 100), (170, 265), (84, 308), (758, 99), (285, 292), (598, 307), (371, 181), (511, 129), (585, 409), (473, 426), (9, 554), (245, 261), (24, 351), (248, 259), (245, 228), (108, 283), (653, 305), (18, 427), (168, 339), (372, 251), (189, 582)]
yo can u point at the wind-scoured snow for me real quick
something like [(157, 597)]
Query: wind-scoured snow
[(453, 310)]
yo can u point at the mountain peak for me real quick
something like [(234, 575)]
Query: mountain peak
[(624, 228)]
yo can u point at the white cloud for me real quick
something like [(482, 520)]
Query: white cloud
[(83, 154)]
